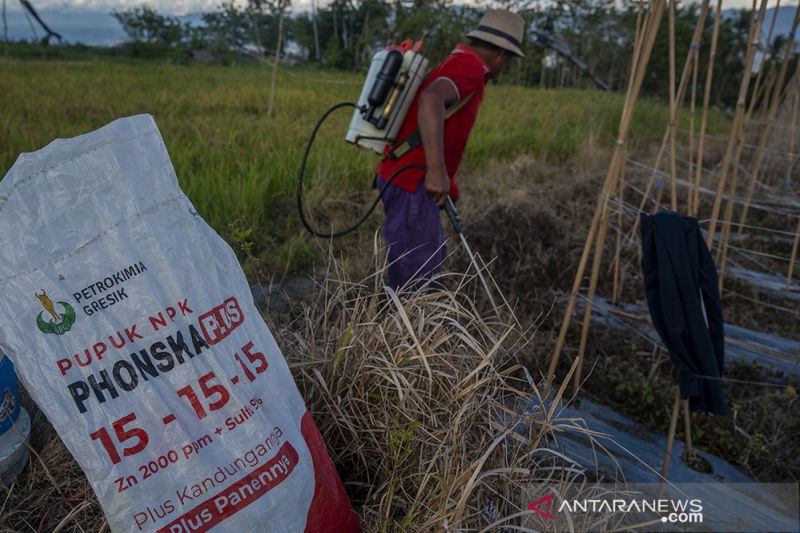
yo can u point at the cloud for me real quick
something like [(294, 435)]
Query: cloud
[(182, 7), (171, 7)]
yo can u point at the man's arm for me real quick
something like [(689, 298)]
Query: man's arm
[(432, 104)]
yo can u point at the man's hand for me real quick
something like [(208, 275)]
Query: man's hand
[(437, 185)]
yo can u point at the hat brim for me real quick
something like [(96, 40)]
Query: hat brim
[(496, 40)]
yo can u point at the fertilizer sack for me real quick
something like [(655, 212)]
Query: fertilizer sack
[(131, 324)]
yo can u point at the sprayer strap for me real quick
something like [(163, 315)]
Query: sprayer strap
[(414, 139)]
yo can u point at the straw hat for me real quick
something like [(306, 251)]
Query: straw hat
[(501, 28)]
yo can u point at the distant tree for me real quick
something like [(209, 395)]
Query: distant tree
[(145, 24), (228, 28)]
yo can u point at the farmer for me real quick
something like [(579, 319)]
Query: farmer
[(413, 229)]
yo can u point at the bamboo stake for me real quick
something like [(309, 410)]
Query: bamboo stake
[(687, 429), (757, 86), (693, 56), (614, 172), (673, 425), (794, 256), (722, 251), (642, 57), (641, 21), (725, 233), (793, 129), (616, 289), (698, 169), (736, 129), (587, 313), (617, 271), (698, 34), (694, 50), (692, 108), (562, 335), (768, 89), (794, 126), (673, 112), (772, 111), (759, 92)]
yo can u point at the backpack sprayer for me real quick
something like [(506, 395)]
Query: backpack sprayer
[(394, 77), (393, 80)]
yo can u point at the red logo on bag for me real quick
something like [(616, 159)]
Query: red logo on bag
[(221, 321)]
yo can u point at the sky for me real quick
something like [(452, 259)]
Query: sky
[(90, 21), (183, 7)]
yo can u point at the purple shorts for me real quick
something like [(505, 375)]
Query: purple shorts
[(414, 236)]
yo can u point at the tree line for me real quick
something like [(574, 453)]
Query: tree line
[(344, 34)]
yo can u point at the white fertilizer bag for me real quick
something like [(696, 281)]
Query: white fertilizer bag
[(130, 322)]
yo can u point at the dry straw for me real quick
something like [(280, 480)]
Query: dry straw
[(430, 420)]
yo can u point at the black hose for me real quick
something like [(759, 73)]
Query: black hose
[(301, 172)]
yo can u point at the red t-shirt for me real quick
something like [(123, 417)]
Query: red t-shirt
[(468, 74)]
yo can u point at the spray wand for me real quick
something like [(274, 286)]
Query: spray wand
[(455, 219)]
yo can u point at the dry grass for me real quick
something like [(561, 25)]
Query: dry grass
[(52, 494), (429, 418)]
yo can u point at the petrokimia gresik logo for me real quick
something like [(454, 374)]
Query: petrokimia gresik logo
[(56, 323)]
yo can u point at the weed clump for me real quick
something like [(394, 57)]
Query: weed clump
[(429, 419)]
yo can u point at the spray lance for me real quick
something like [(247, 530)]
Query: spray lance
[(455, 220), (394, 78)]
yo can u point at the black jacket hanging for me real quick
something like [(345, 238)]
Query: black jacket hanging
[(682, 288)]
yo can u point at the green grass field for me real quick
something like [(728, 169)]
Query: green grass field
[(239, 167)]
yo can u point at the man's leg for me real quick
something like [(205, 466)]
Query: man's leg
[(414, 236)]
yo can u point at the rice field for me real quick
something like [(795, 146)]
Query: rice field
[(238, 165), (530, 176)]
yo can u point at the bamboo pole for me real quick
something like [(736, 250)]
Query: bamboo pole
[(621, 195), (736, 129), (794, 126), (698, 34), (692, 56), (687, 429), (562, 335), (673, 425), (614, 172), (698, 169), (587, 313), (759, 92), (641, 57), (722, 247), (617, 274), (722, 250), (757, 86), (694, 50), (772, 111), (673, 112), (794, 256), (692, 109), (793, 129)]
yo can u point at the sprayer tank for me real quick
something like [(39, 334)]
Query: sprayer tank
[(386, 104)]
